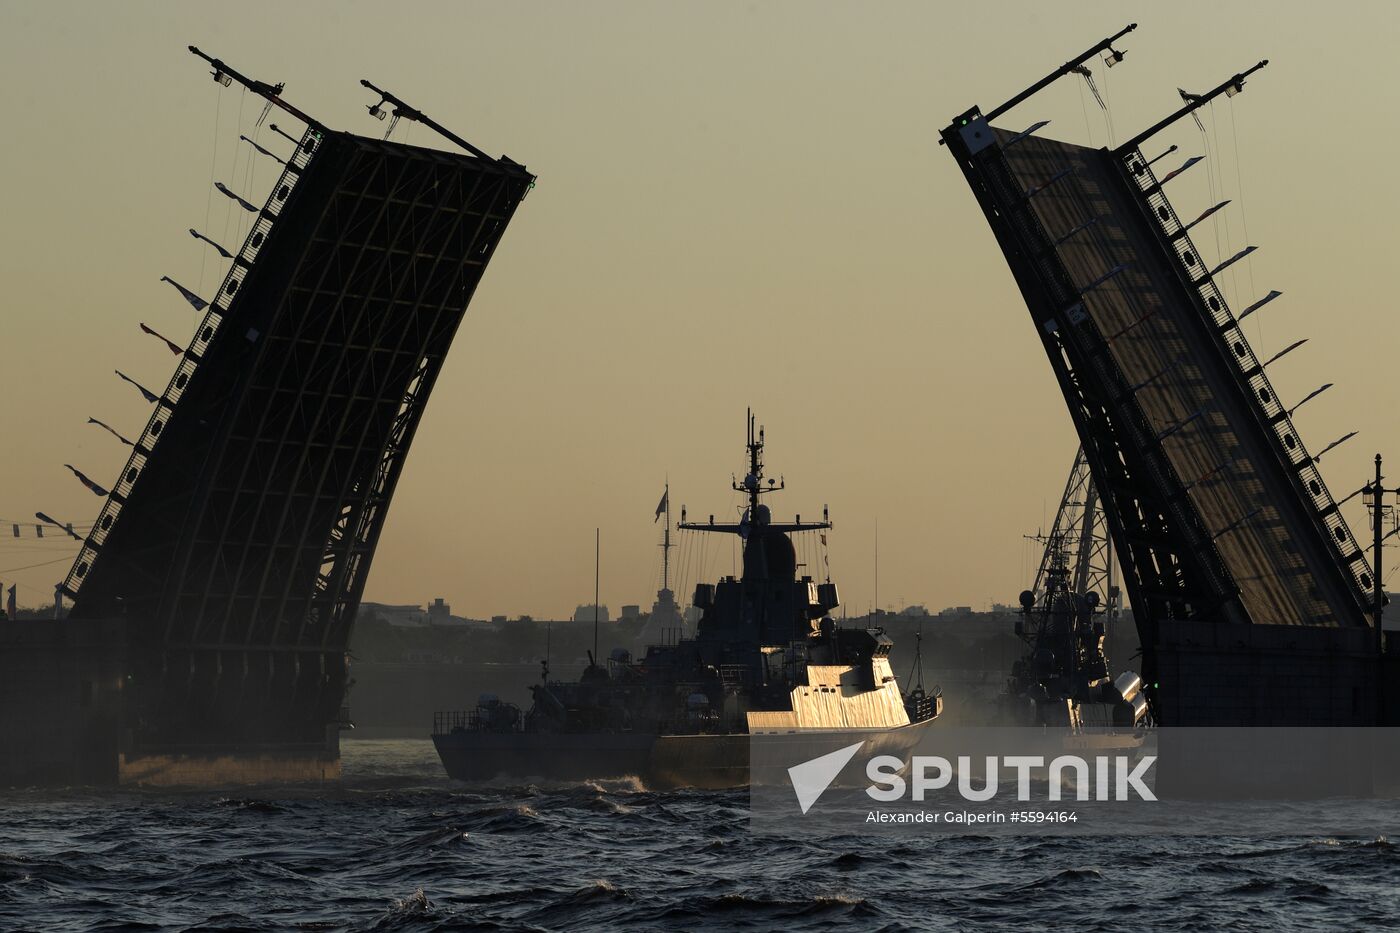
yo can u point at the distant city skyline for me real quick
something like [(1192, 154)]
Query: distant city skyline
[(737, 205)]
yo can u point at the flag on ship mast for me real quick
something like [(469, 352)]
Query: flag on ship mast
[(661, 506)]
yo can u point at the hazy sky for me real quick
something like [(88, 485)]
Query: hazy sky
[(738, 204)]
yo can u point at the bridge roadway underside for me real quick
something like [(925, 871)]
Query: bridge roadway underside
[(1277, 558)]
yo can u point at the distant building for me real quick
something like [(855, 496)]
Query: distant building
[(631, 612), (585, 613), (405, 616), (439, 612)]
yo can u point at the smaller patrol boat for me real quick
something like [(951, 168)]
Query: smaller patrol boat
[(767, 662)]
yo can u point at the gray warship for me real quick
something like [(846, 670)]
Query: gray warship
[(767, 661), (1064, 679)]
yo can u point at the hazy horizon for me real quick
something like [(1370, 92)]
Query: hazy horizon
[(738, 205)]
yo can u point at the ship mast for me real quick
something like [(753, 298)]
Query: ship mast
[(753, 488), (753, 482), (666, 544)]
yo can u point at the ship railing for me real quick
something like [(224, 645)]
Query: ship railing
[(454, 720), (1249, 372), (214, 318), (922, 707), (736, 674)]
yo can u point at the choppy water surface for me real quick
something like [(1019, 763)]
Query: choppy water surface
[(398, 846)]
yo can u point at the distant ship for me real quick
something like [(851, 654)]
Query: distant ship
[(767, 659), (1063, 681)]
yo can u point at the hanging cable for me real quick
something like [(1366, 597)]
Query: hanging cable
[(1212, 193), (1108, 105), (1084, 108), (213, 165), (1229, 237), (46, 563), (1239, 188), (237, 152)]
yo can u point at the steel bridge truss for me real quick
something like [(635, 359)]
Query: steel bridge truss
[(239, 537), (1217, 510), (1078, 542)]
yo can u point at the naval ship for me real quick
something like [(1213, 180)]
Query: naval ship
[(767, 661), (1063, 680)]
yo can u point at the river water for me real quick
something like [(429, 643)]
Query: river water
[(399, 847)]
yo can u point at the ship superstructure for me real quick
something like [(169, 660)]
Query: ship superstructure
[(1064, 679), (767, 659)]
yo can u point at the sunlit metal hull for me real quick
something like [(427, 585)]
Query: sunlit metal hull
[(658, 761)]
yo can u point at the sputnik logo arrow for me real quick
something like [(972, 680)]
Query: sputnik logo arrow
[(811, 778)]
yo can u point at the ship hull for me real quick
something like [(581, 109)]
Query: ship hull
[(659, 761)]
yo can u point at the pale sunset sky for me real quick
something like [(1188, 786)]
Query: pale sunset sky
[(739, 204)]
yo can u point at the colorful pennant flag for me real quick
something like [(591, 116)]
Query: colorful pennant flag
[(1259, 304), (262, 150), (66, 529), (1208, 212), (110, 430), (197, 302), (96, 489), (146, 393), (174, 347), (242, 203), (199, 236), (1187, 164), (1232, 260)]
